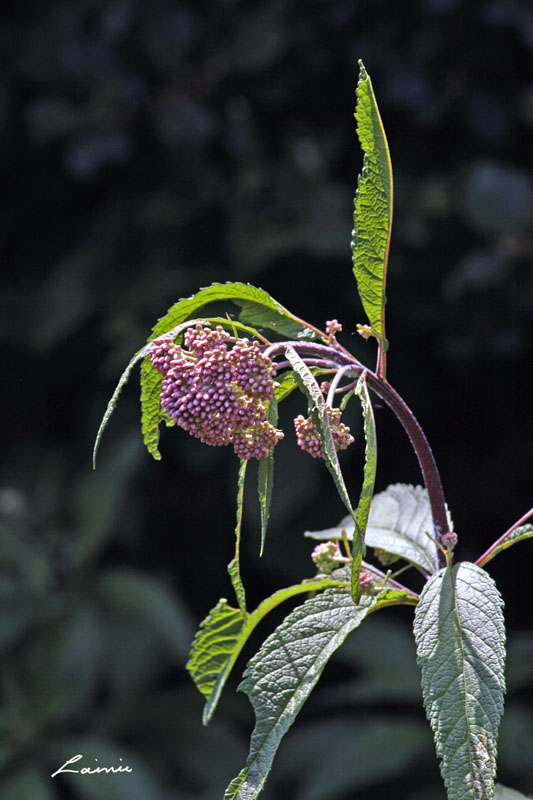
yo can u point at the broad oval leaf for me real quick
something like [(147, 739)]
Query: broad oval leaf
[(460, 637), (280, 677), (373, 207), (399, 522)]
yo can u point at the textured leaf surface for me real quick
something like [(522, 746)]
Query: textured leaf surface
[(114, 399), (223, 634), (367, 489), (257, 308), (265, 477), (280, 677), (460, 638), (518, 535), (373, 207), (234, 569), (309, 386), (399, 521), (213, 645)]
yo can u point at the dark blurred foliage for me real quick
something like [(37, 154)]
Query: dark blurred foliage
[(152, 148)]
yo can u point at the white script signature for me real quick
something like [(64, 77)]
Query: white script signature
[(89, 770)]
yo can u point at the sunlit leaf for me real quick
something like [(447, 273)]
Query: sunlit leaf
[(460, 638), (309, 386), (265, 477), (367, 488), (373, 207), (399, 522), (258, 308), (280, 677), (517, 535), (223, 634), (234, 565)]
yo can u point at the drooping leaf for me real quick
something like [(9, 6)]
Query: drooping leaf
[(258, 308), (517, 535), (234, 565), (223, 634), (213, 645), (280, 677), (373, 207), (460, 638), (309, 386), (114, 399), (265, 477), (367, 488), (399, 521)]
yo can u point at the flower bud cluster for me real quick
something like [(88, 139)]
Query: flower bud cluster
[(333, 327), (308, 437), (327, 557), (218, 394)]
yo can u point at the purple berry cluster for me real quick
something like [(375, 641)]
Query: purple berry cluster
[(308, 437), (216, 392)]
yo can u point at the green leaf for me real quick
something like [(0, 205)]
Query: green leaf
[(399, 521), (308, 385), (233, 566), (212, 647), (367, 489), (517, 535), (265, 477), (373, 207), (460, 637), (114, 399), (223, 634), (287, 383), (280, 677), (257, 308)]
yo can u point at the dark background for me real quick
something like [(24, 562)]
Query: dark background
[(149, 149)]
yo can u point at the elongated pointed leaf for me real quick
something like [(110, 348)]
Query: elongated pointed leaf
[(518, 535), (223, 634), (114, 399), (373, 207), (399, 521), (234, 565), (258, 308), (280, 677), (265, 478), (460, 638), (367, 489), (309, 386)]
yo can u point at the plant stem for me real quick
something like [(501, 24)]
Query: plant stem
[(410, 424), (487, 555)]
